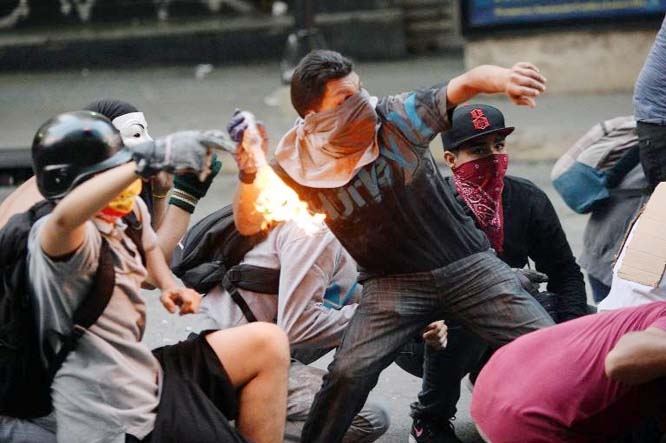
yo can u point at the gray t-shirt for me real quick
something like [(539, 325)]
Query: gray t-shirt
[(109, 385), (318, 290)]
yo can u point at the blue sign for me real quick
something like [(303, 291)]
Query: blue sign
[(483, 13)]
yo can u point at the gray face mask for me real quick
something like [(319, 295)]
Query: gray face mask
[(343, 130)]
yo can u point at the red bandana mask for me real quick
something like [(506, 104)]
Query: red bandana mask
[(480, 184)]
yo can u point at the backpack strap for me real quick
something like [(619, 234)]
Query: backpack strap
[(629, 193), (251, 278), (90, 308), (255, 278), (624, 165), (238, 299), (135, 232)]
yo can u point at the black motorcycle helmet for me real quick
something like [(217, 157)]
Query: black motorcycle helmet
[(71, 147)]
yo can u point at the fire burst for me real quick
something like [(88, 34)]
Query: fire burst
[(278, 202)]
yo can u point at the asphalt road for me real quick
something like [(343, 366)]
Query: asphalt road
[(174, 98)]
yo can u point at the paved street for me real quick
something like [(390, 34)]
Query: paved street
[(173, 99)]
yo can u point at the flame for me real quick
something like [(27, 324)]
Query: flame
[(278, 202)]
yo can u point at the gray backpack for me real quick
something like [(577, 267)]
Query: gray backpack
[(592, 170)]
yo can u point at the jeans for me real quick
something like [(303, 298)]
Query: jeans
[(38, 430), (599, 289), (480, 291), (650, 111), (440, 390), (652, 151), (650, 89)]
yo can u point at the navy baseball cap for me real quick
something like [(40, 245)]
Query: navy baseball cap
[(471, 121)]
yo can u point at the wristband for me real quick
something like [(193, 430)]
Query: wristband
[(247, 177), (183, 200)]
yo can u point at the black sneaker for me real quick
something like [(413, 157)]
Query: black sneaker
[(424, 431)]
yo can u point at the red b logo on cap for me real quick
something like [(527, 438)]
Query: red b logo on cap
[(479, 120)]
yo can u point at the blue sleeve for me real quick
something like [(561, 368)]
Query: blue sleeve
[(419, 115)]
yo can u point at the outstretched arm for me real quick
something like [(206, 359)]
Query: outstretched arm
[(179, 152), (174, 297), (250, 158), (522, 83), (64, 232), (638, 357), (185, 195)]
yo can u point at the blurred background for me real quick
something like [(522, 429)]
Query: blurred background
[(189, 63)]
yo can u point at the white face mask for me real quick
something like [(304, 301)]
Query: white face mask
[(133, 128)]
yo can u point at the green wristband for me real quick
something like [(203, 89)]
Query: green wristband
[(183, 200)]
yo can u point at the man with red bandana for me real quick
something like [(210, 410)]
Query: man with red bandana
[(520, 223)]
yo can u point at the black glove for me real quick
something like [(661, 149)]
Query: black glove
[(550, 302), (530, 279), (183, 151), (188, 189)]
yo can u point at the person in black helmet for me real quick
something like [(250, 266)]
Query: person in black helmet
[(111, 387), (133, 129), (169, 220)]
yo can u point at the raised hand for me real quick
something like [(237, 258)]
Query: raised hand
[(188, 189), (524, 84), (252, 141)]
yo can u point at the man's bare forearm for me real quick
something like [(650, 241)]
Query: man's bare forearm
[(522, 84), (64, 231), (248, 220), (486, 79), (638, 357), (174, 225)]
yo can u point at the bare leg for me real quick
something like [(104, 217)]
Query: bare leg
[(256, 358)]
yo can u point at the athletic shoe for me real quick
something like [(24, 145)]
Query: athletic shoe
[(424, 431)]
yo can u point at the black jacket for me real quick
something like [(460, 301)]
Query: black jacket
[(532, 230)]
